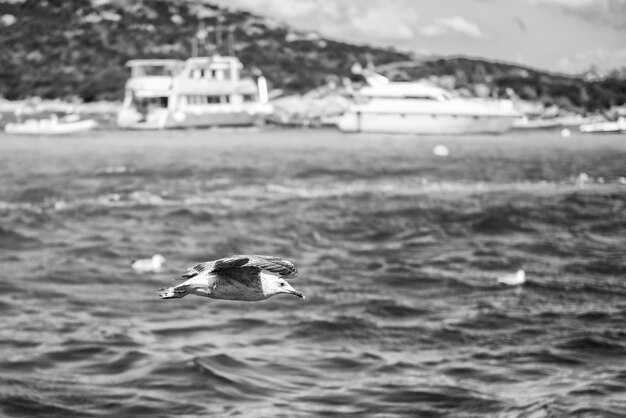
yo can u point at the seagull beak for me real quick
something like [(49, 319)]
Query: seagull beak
[(290, 290)]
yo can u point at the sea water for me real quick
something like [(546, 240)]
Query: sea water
[(398, 251)]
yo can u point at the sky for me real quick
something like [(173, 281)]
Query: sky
[(557, 35)]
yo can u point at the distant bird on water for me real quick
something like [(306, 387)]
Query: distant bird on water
[(239, 277), (148, 265), (513, 279)]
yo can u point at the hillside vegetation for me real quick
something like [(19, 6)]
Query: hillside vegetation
[(78, 48)]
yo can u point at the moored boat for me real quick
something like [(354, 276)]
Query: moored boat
[(617, 126), (420, 108), (51, 126), (198, 92)]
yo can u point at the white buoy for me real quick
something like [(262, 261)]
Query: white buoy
[(583, 179), (513, 279), (566, 133), (149, 265), (441, 151)]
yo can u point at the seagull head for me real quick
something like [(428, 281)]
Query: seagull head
[(276, 285)]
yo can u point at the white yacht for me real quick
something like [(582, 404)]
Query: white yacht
[(607, 127), (421, 108), (198, 92)]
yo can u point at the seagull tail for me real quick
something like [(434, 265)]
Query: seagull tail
[(175, 292)]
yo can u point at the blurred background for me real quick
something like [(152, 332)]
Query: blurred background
[(449, 179)]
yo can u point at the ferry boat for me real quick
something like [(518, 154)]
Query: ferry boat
[(198, 92), (420, 108)]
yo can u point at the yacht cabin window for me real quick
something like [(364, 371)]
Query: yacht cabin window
[(151, 71), (209, 74), (406, 97), (196, 99), (146, 104)]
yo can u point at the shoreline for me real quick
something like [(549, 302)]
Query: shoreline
[(317, 109)]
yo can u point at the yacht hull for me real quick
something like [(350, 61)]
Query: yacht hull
[(182, 120), (190, 120), (426, 124), (47, 127)]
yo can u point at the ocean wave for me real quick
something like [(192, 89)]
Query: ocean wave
[(73, 353), (96, 251), (493, 321), (341, 328), (596, 344), (449, 398), (568, 285), (193, 215), (4, 307), (501, 219), (125, 362), (315, 173), (11, 239), (36, 195), (549, 356), (33, 405), (183, 329), (594, 316), (478, 373), (337, 364), (237, 379), (392, 309), (612, 266)]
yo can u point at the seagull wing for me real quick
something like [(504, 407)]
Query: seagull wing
[(221, 264), (275, 265)]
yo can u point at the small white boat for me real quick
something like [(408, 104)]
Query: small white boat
[(604, 127), (52, 126)]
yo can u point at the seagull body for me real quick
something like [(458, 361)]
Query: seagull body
[(240, 277), (513, 279), (148, 265)]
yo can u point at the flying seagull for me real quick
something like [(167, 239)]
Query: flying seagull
[(239, 277)]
